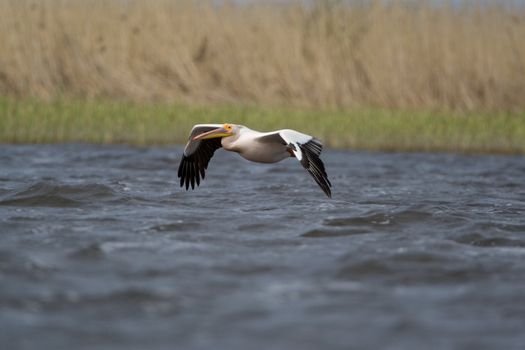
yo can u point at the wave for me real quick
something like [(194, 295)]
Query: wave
[(49, 194), (375, 219), (489, 241)]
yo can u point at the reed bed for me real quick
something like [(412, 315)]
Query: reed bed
[(409, 55), (98, 121)]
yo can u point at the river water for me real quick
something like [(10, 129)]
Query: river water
[(101, 249)]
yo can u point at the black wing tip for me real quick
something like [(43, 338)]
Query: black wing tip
[(315, 166), (328, 192), (193, 166), (188, 173), (325, 186)]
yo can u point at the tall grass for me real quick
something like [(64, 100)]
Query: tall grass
[(329, 54)]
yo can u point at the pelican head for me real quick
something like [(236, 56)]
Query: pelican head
[(223, 131)]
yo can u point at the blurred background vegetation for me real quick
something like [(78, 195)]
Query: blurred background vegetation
[(394, 75)]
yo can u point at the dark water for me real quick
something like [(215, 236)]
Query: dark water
[(101, 249)]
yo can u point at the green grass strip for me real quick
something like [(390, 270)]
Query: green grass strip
[(68, 120)]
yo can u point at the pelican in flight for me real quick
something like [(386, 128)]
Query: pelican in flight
[(260, 147)]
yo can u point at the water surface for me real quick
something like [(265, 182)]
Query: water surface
[(100, 248)]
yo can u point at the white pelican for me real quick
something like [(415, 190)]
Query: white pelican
[(260, 147)]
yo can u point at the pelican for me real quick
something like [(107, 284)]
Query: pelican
[(260, 147)]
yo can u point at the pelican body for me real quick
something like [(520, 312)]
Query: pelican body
[(260, 147)]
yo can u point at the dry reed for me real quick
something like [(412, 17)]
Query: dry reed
[(332, 54)]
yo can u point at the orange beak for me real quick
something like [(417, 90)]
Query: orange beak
[(219, 132)]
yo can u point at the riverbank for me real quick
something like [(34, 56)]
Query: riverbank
[(104, 121)]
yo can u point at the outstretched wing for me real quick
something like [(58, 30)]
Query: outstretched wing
[(307, 150), (197, 155)]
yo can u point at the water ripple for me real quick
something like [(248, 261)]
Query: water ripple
[(100, 248), (49, 194), (489, 241)]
